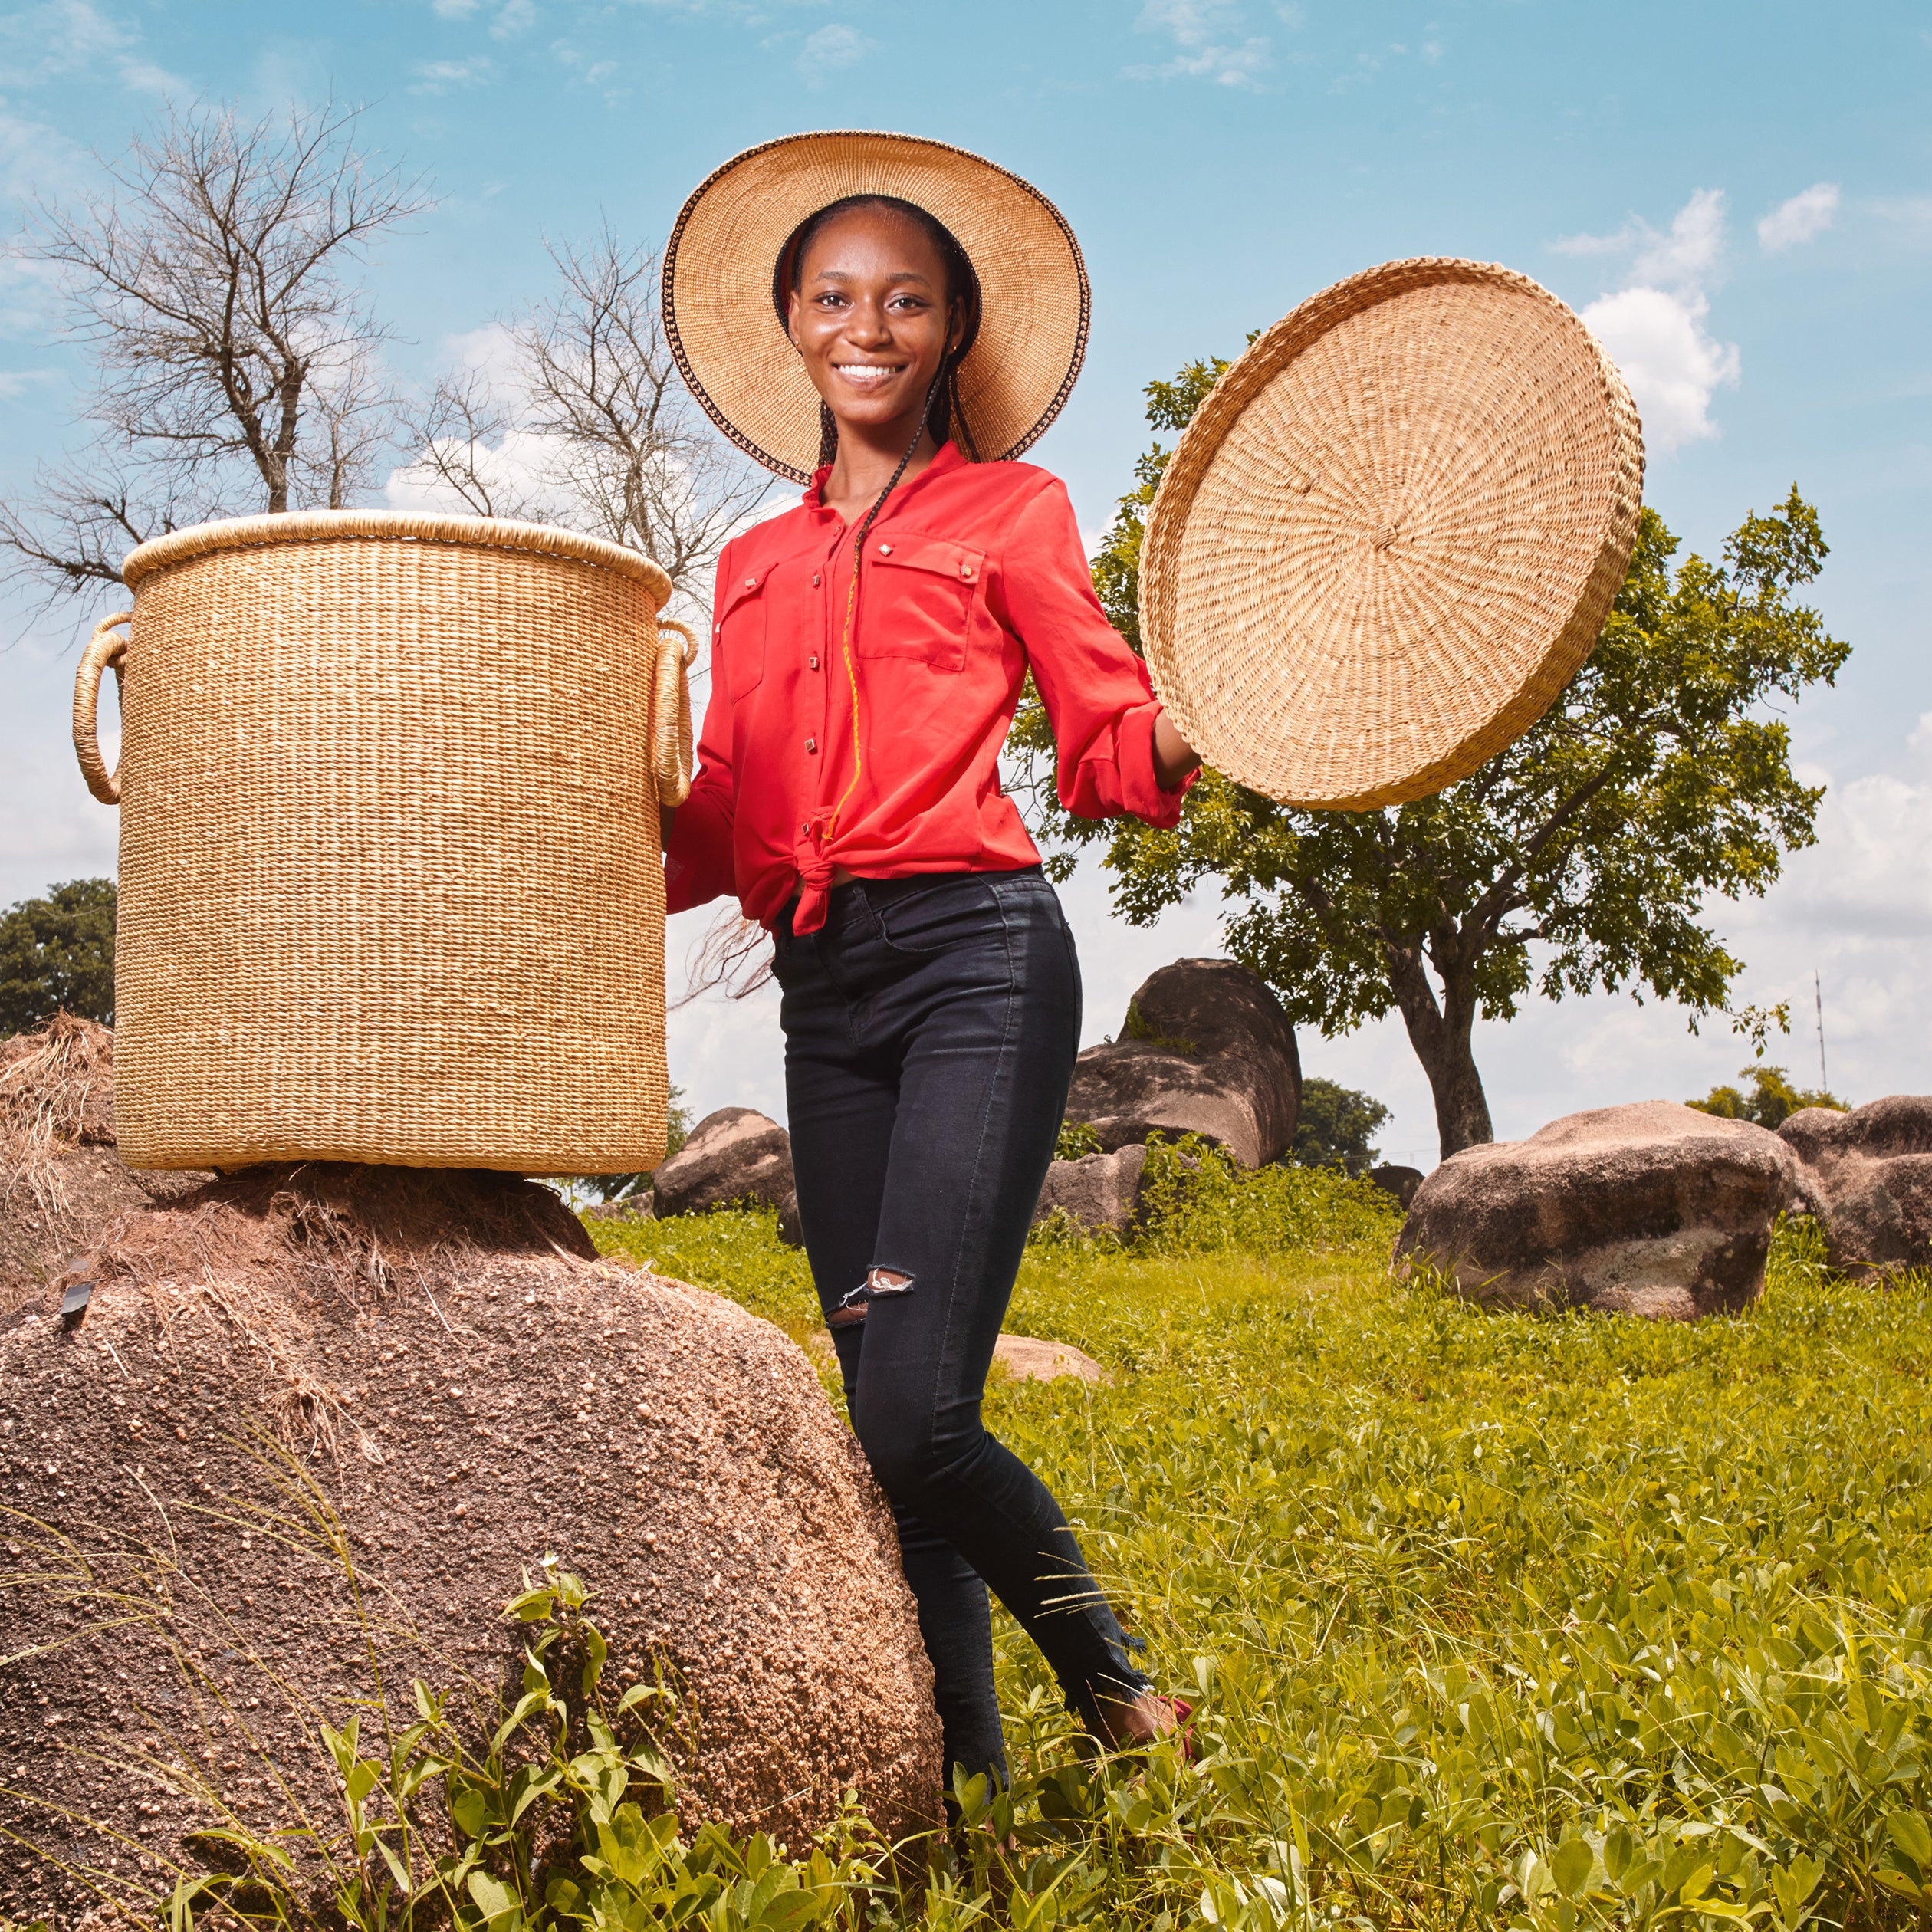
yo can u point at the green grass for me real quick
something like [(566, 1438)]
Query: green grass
[(1489, 1619)]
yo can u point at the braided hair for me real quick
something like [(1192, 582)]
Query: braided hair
[(943, 414)]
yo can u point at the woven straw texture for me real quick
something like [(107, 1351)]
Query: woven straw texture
[(1391, 535), (741, 364), (390, 888)]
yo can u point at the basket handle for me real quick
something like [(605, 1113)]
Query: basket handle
[(670, 715), (105, 648)]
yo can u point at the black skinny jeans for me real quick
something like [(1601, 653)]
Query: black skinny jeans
[(930, 1028)]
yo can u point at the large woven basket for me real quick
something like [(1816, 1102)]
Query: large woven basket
[(1391, 535), (391, 889)]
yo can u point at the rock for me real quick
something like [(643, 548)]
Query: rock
[(1652, 1209), (61, 1183), (1027, 1360), (735, 1154), (1205, 1049), (410, 1356), (1098, 1190), (1400, 1182), (1872, 1168), (640, 1206), (791, 1228)]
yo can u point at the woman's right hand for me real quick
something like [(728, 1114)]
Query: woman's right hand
[(1174, 756)]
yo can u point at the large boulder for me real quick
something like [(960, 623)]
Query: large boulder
[(61, 1183), (1872, 1168), (1399, 1183), (1652, 1209), (320, 1424), (736, 1153), (1205, 1049), (1097, 1191)]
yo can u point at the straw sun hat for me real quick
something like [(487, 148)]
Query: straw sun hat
[(730, 340), (1391, 535)]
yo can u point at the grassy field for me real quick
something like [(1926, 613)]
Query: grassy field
[(1490, 1619)]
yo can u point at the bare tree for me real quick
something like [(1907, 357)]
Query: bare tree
[(236, 361), (590, 425), (584, 421)]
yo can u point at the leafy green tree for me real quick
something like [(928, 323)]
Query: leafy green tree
[(1580, 858), (1770, 1101), (1333, 1128), (57, 955)]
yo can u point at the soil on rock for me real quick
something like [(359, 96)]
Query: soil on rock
[(1206, 1048), (1653, 1209), (318, 1424), (736, 1153), (1873, 1170), (61, 1183)]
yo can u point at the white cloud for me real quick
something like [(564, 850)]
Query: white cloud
[(1878, 832), (490, 351), (36, 158), (59, 37), (834, 46), (1652, 324), (520, 469), (17, 382), (1691, 248), (30, 297), (1802, 219), (452, 9), (516, 17), (1210, 42), (439, 77), (592, 73), (1684, 255), (1656, 338)]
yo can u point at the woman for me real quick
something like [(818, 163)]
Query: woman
[(869, 649)]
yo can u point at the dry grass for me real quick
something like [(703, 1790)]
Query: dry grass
[(57, 1088)]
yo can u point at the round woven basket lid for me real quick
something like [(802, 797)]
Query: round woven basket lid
[(1391, 535), (733, 352)]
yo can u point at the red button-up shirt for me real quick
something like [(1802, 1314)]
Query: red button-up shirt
[(973, 573)]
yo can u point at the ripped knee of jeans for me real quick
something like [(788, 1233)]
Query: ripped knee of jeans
[(880, 1284)]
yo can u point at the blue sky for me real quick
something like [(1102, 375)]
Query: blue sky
[(1738, 196)]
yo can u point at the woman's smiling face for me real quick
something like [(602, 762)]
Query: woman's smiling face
[(871, 316)]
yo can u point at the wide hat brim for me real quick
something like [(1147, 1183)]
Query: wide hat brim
[(733, 352), (1391, 535)]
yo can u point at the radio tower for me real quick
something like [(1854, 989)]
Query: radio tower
[(1817, 1000)]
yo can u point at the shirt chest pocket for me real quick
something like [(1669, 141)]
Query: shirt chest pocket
[(924, 591), (738, 637)]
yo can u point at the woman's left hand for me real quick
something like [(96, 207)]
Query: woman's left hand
[(1174, 756)]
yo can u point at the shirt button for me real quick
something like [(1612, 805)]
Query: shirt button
[(814, 579), (885, 549), (811, 745), (750, 583), (815, 664)]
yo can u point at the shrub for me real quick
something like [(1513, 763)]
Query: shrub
[(1771, 1102)]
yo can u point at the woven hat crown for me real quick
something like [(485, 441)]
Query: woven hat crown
[(723, 259)]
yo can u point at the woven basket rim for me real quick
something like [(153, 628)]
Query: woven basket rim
[(412, 526), (1247, 377)]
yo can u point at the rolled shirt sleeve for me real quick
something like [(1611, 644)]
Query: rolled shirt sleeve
[(1097, 693)]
